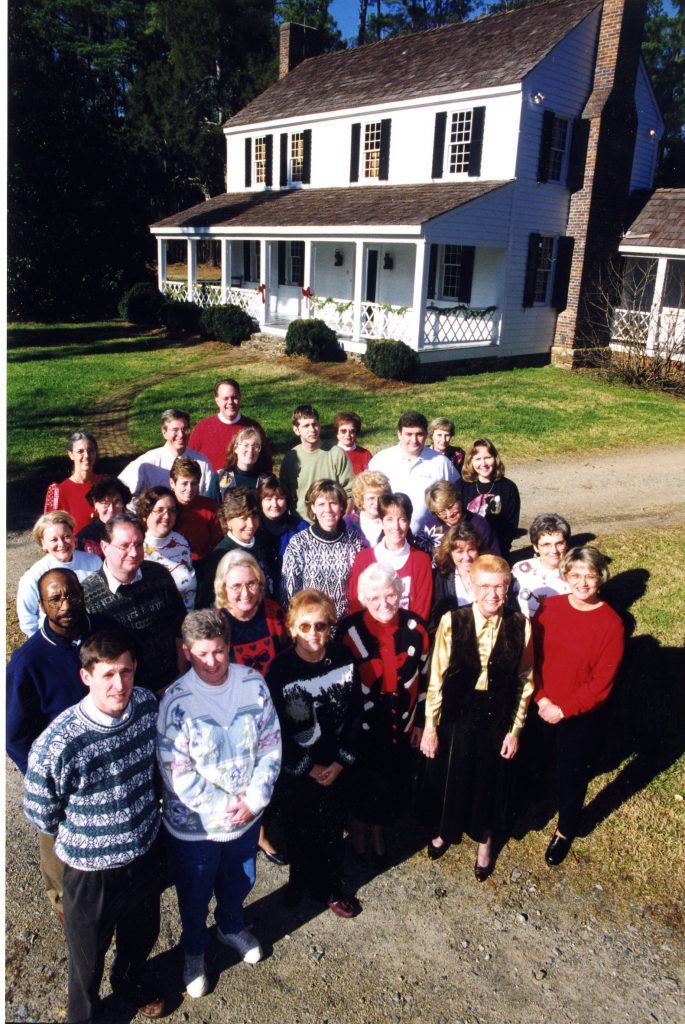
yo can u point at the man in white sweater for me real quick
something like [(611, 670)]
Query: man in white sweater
[(219, 751)]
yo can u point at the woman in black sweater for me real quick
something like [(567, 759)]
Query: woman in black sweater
[(486, 491)]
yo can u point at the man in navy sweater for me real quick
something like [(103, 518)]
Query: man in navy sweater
[(43, 679)]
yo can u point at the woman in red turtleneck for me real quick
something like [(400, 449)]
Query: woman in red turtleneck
[(390, 648)]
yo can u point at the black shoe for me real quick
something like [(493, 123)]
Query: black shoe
[(276, 858), (380, 860), (557, 850), (483, 873), (147, 1002), (436, 852)]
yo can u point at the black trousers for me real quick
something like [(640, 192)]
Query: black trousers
[(575, 742), (313, 821), (99, 904)]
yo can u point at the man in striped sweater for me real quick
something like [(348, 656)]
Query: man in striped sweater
[(90, 784)]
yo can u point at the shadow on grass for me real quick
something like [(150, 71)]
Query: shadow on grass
[(105, 342), (642, 729)]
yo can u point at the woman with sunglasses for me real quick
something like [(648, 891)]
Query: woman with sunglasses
[(316, 691), (578, 650)]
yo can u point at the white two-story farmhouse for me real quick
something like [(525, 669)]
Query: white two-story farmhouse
[(446, 188)]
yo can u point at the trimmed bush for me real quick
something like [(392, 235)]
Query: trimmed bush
[(141, 304), (229, 323), (392, 360), (314, 340), (180, 316)]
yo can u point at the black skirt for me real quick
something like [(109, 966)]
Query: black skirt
[(466, 788)]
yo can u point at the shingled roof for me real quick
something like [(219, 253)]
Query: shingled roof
[(661, 222), (321, 207), (487, 52)]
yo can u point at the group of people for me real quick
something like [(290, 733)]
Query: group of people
[(324, 648)]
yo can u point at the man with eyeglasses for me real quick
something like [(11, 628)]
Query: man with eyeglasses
[(43, 680), (152, 468), (139, 596)]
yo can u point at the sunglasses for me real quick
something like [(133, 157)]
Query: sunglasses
[(318, 627)]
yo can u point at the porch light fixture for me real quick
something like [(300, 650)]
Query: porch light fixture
[(338, 258), (388, 262), (538, 97)]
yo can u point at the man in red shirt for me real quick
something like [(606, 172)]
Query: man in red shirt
[(212, 435)]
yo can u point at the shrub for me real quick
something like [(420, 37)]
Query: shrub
[(315, 340), (227, 323), (180, 316), (141, 304), (392, 360)]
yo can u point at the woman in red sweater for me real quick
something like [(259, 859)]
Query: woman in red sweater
[(394, 550), (578, 649)]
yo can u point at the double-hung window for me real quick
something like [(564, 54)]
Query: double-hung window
[(543, 269), (372, 149), (458, 142), (459, 150), (451, 272), (553, 144), (260, 160), (296, 156)]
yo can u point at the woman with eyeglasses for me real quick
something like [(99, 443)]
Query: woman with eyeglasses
[(578, 649), (157, 508), (258, 632), (316, 691), (71, 494), (245, 463), (478, 694), (107, 497)]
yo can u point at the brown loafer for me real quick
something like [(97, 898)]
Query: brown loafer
[(344, 906), (155, 1008), (146, 1003)]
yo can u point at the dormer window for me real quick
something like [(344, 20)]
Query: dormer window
[(260, 161), (296, 156), (460, 142), (372, 149)]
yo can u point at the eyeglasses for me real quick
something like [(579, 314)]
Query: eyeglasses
[(237, 588), (59, 599), (318, 627), (249, 446), (580, 577), (110, 502), (492, 588), (135, 545)]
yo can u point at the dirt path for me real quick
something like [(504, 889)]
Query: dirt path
[(530, 946)]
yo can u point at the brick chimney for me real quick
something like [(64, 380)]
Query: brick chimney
[(296, 43), (597, 209)]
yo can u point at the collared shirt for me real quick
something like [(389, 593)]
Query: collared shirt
[(486, 637), (151, 469), (412, 476), (229, 423), (99, 717), (113, 583)]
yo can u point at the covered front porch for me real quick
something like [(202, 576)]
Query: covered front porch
[(650, 314), (393, 262)]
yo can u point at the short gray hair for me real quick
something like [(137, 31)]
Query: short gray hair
[(378, 573), (204, 625), (589, 556), (174, 414), (548, 522)]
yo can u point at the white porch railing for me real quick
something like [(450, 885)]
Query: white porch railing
[(248, 299), (630, 326), (337, 314), (206, 295), (380, 321), (460, 326)]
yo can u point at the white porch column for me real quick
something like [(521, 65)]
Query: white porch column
[(161, 263), (265, 273), (225, 269), (308, 273), (419, 296), (191, 244), (652, 345), (358, 290)]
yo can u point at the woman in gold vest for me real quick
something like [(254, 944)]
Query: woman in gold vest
[(478, 695)]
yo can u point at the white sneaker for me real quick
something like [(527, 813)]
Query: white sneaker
[(194, 977), (244, 943)]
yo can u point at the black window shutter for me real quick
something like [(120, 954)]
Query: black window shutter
[(439, 143), (432, 271), (545, 145), (531, 268), (468, 253), (476, 151), (384, 161), (281, 262), (306, 156), (562, 272), (269, 154), (577, 156), (354, 152), (284, 160), (248, 162), (247, 276)]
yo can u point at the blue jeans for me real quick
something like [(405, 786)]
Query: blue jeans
[(200, 869)]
